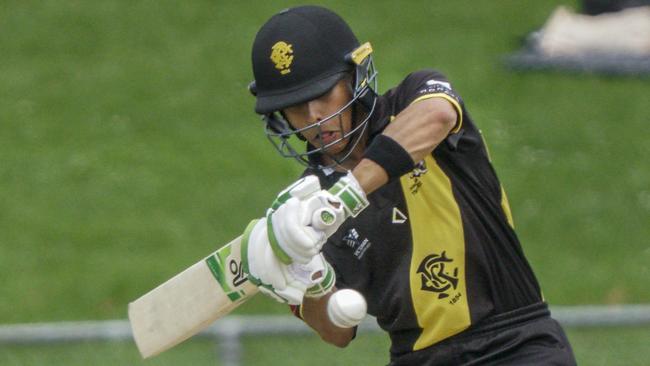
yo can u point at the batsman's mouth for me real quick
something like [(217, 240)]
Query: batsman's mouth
[(327, 137)]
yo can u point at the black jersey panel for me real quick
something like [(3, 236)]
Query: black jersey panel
[(435, 252), (499, 276)]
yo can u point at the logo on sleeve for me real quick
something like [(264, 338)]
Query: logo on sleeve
[(437, 82), (438, 87), (439, 275), (282, 56)]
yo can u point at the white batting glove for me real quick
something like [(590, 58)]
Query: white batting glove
[(298, 221), (284, 283), (324, 285), (349, 192), (303, 216)]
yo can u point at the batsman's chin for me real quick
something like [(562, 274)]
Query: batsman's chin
[(336, 148)]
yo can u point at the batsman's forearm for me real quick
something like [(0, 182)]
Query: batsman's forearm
[(314, 313), (422, 126), (370, 175), (418, 130)]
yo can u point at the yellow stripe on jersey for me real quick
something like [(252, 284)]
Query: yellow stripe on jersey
[(487, 149), (459, 110), (505, 205), (437, 270)]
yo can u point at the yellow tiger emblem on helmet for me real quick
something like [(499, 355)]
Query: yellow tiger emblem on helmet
[(282, 56)]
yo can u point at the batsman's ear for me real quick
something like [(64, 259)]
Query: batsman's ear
[(252, 87)]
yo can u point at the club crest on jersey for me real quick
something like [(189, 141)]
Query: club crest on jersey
[(282, 56), (419, 170), (353, 240), (438, 274)]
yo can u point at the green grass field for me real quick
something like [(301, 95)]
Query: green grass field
[(129, 150), (594, 347)]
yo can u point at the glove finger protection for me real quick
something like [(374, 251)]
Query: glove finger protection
[(294, 232), (285, 283), (302, 188), (291, 232)]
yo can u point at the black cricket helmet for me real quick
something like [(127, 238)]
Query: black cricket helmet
[(298, 55)]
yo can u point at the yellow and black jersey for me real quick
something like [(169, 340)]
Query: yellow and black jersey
[(435, 252)]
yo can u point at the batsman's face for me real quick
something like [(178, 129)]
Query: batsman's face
[(325, 120)]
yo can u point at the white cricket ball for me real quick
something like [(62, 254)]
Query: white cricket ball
[(346, 308)]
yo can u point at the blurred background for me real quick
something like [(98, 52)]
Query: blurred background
[(129, 150)]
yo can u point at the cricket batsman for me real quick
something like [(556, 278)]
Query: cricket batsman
[(416, 220)]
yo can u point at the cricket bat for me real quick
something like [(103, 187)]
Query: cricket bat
[(195, 298), (190, 301)]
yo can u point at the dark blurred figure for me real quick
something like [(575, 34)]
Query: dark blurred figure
[(595, 7)]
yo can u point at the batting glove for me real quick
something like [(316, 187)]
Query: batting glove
[(303, 216), (282, 282)]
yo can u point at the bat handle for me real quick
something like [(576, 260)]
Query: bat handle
[(323, 218)]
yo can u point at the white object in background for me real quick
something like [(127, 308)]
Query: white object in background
[(626, 32)]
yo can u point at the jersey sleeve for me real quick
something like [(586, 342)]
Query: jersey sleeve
[(425, 84)]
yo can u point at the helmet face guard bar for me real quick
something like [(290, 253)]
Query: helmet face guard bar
[(283, 136)]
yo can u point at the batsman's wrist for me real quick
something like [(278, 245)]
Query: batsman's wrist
[(297, 311), (390, 155), (351, 195)]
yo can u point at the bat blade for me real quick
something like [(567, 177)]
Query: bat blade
[(190, 301)]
